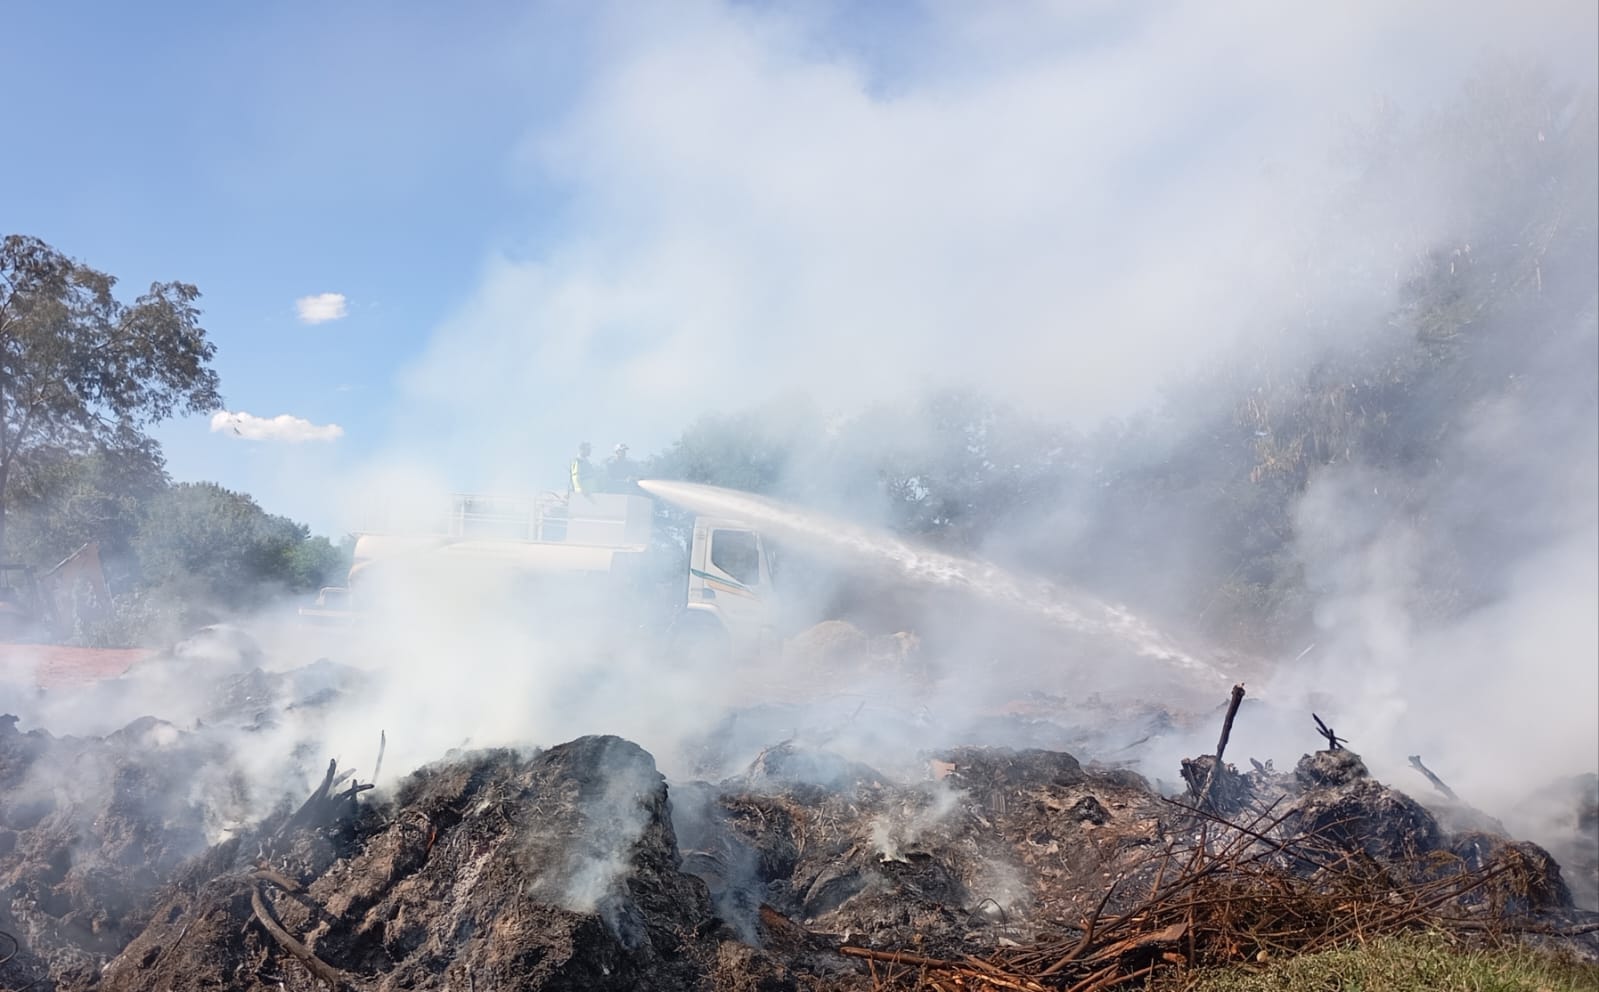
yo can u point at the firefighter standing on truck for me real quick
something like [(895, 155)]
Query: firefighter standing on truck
[(619, 471), (582, 473)]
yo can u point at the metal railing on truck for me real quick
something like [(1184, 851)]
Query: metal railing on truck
[(510, 518)]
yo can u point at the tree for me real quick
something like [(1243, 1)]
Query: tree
[(218, 547), (315, 562), (65, 500), (959, 464), (81, 371), (751, 450)]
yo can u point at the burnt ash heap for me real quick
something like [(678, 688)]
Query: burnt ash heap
[(995, 846), (569, 868), (90, 829), (492, 870)]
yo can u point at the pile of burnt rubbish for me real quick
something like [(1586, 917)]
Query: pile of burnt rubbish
[(575, 867)]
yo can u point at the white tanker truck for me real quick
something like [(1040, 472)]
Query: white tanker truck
[(605, 560)]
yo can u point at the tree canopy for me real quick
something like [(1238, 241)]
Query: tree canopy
[(83, 376), (82, 371), (209, 543)]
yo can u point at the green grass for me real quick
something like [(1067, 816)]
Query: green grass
[(1424, 963)]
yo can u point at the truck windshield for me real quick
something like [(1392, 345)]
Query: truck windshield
[(734, 552)]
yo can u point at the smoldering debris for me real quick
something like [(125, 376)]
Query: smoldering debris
[(495, 869), (90, 828), (579, 867), (148, 858), (93, 824)]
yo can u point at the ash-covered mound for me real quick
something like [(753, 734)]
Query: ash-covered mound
[(995, 846), (568, 868), (1567, 811), (1332, 799), (492, 870), (988, 845), (91, 827)]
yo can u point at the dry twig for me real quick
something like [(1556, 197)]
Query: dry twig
[(1238, 889)]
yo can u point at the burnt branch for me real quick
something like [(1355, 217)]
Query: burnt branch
[(1437, 783), (1334, 742), (318, 967)]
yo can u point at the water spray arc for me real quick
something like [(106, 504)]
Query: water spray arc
[(1069, 610)]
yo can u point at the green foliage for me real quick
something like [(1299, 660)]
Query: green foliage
[(80, 370), (63, 501), (175, 556), (142, 617), (1477, 312), (749, 451), (208, 544), (313, 563), (1494, 323), (960, 463), (82, 376), (1422, 963)]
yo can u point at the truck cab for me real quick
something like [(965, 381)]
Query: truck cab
[(730, 586)]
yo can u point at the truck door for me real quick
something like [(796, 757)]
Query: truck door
[(735, 581)]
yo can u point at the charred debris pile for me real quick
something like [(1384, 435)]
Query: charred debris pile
[(573, 867)]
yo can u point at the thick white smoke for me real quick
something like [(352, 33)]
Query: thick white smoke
[(1067, 206)]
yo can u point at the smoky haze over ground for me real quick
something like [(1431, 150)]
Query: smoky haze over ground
[(1090, 214)]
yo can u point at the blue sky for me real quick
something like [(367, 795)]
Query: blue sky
[(269, 152), (563, 220)]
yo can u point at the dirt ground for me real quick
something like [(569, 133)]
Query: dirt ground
[(54, 666)]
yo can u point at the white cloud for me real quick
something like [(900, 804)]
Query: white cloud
[(321, 308), (283, 427)]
